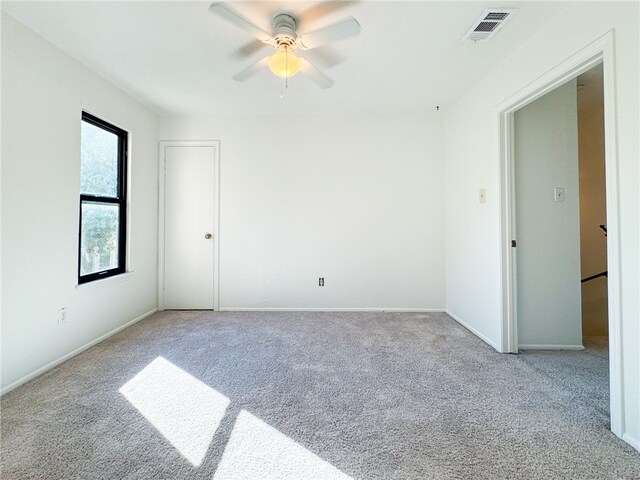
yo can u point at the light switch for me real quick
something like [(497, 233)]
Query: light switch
[(558, 194), (483, 195)]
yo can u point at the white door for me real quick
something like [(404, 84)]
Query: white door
[(189, 227), (548, 222)]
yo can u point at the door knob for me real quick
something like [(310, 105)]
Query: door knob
[(208, 236)]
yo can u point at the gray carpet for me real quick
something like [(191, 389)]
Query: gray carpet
[(312, 395)]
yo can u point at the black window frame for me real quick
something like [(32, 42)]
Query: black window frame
[(120, 199)]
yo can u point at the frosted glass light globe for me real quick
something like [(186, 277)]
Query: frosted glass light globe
[(284, 64)]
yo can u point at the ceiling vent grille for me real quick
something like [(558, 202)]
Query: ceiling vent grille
[(488, 24)]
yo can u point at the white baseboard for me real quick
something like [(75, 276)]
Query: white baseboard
[(631, 441), (322, 309), (73, 353), (550, 347), (472, 330)]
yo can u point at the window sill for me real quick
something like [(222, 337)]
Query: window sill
[(106, 282)]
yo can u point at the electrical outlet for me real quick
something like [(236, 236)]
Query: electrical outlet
[(321, 282), (62, 316), (558, 194), (483, 195)]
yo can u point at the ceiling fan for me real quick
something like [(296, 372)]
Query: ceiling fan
[(285, 40)]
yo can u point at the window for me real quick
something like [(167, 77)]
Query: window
[(103, 202)]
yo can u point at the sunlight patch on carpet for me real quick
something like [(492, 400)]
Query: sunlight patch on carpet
[(183, 409), (257, 451)]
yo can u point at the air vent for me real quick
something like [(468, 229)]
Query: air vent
[(488, 24)]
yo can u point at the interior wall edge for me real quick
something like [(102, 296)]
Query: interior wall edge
[(64, 358), (476, 332), (634, 442)]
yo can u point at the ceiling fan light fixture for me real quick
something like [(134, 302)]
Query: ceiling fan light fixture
[(285, 39), (284, 63)]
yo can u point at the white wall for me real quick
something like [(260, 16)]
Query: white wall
[(472, 160), (357, 200), (548, 232), (43, 92)]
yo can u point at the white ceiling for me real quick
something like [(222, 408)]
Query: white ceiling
[(177, 58)]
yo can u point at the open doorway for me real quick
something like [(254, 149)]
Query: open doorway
[(558, 167), (600, 51), (561, 254), (560, 218), (593, 212), (547, 222)]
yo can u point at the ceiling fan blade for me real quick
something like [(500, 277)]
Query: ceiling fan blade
[(321, 9), (338, 31), (250, 49), (325, 57), (251, 70), (238, 20), (318, 77)]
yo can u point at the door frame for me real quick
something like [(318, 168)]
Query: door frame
[(162, 159), (602, 50)]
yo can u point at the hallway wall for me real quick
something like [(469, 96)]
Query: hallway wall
[(593, 243)]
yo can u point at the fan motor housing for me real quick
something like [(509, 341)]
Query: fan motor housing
[(284, 30)]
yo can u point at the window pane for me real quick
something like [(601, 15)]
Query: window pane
[(99, 161), (99, 242)]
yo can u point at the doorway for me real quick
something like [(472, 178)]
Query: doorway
[(560, 209), (547, 222), (560, 218), (601, 51), (188, 226), (593, 213)]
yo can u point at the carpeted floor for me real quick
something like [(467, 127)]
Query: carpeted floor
[(315, 396)]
